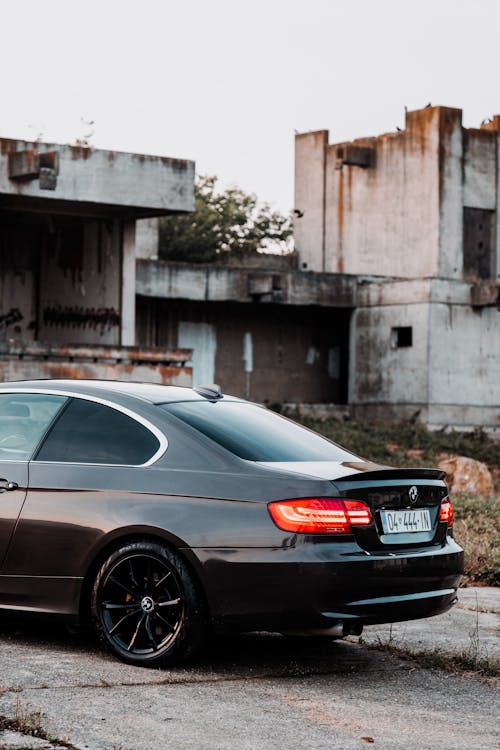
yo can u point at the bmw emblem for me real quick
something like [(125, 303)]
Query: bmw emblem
[(413, 495), (147, 604)]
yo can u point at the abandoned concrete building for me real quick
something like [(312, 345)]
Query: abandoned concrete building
[(68, 245), (420, 208), (389, 307)]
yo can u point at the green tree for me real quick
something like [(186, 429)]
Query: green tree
[(227, 221)]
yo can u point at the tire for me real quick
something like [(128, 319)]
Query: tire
[(146, 607)]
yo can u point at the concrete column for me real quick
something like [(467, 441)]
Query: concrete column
[(309, 222), (147, 232), (127, 332), (451, 197)]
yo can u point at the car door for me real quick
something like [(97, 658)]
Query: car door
[(84, 467), (24, 419), (13, 486)]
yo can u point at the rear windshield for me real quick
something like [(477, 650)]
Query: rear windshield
[(256, 434)]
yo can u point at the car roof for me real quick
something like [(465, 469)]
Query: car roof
[(151, 392)]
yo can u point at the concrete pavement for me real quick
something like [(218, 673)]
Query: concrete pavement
[(259, 691)]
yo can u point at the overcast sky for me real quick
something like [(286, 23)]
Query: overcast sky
[(226, 82)]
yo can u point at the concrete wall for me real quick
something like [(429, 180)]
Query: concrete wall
[(383, 219), (80, 284), (381, 373), (272, 353), (61, 281), (480, 168), (19, 248), (464, 372), (450, 375), (201, 338)]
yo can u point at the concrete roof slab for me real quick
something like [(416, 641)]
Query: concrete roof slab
[(78, 178)]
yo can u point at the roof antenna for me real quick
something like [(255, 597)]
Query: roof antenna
[(210, 391)]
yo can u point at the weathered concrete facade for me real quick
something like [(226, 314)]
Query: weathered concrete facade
[(419, 207), (68, 251), (402, 204), (271, 333)]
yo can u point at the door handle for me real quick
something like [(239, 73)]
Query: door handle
[(7, 486)]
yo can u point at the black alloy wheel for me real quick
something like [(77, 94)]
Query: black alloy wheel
[(145, 606)]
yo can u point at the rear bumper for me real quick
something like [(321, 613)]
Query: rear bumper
[(393, 608), (320, 584)]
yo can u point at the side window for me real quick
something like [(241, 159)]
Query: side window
[(24, 418), (87, 432)]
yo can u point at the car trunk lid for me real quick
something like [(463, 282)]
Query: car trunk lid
[(405, 505), (404, 502)]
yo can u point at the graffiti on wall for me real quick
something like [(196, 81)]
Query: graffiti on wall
[(10, 318), (100, 319)]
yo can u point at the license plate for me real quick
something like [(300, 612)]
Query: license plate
[(405, 521)]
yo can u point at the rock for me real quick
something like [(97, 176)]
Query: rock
[(467, 475), (415, 453), (393, 447)]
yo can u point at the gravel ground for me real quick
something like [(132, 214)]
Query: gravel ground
[(259, 691)]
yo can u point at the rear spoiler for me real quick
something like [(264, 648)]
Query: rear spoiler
[(366, 470)]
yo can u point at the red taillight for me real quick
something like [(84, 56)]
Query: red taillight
[(446, 511), (319, 515)]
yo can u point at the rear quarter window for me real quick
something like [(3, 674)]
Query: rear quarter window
[(256, 434)]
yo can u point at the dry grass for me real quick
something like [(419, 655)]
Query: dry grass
[(472, 660), (30, 722), (466, 662), (477, 530), (26, 720)]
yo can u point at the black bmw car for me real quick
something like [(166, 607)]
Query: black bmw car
[(159, 513)]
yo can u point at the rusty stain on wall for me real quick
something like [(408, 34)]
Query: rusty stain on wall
[(67, 243), (34, 361), (340, 223)]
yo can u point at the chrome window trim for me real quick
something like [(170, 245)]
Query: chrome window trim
[(104, 402)]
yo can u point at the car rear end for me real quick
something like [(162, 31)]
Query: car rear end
[(385, 542), (314, 536)]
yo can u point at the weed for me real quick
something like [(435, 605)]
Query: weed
[(30, 722), (26, 720), (472, 660), (464, 662), (477, 529)]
